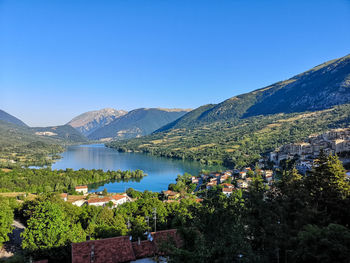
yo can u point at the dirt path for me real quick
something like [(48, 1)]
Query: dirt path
[(14, 245)]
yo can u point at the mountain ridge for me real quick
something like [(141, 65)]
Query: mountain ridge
[(88, 122), (4, 116), (296, 94), (137, 123), (240, 128)]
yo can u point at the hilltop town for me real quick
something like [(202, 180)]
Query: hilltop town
[(336, 141)]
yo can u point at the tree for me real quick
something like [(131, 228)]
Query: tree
[(138, 227), (261, 221), (329, 192), (49, 232), (217, 233), (6, 219), (323, 244)]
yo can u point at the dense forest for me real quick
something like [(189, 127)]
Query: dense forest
[(297, 219), (47, 180), (240, 142)]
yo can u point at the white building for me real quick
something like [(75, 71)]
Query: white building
[(82, 189)]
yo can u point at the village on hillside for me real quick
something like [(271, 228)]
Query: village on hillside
[(336, 141), (227, 181)]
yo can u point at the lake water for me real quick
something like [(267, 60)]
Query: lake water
[(160, 171)]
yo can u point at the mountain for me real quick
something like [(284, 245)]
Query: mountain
[(239, 130), (4, 116), (137, 123), (88, 122), (65, 133), (322, 87)]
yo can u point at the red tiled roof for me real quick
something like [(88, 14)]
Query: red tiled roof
[(63, 195), (118, 197), (166, 236), (229, 190), (144, 249), (116, 250), (120, 249), (81, 187), (99, 200)]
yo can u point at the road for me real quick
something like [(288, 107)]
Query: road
[(14, 245)]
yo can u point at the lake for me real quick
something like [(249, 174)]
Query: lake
[(160, 171)]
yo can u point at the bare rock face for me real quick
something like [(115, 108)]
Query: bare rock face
[(136, 123), (88, 122)]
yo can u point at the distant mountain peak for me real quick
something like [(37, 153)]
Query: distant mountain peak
[(137, 123), (90, 121)]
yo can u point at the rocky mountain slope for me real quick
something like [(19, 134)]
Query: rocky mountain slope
[(89, 122), (137, 123)]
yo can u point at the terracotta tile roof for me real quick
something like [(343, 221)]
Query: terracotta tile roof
[(212, 183), (169, 192), (63, 195), (166, 236), (227, 190), (227, 185), (116, 249), (81, 187), (118, 197), (120, 249), (99, 200), (144, 249)]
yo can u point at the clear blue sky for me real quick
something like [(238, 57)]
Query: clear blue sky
[(61, 58)]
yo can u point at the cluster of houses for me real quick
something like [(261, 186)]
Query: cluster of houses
[(332, 142), (230, 180), (112, 200)]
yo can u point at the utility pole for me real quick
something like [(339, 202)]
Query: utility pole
[(155, 219)]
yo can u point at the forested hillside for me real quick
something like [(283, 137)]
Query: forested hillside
[(320, 88), (239, 130), (20, 146)]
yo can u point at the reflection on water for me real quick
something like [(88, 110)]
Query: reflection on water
[(160, 171)]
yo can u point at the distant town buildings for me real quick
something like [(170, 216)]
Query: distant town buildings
[(96, 200), (334, 141), (331, 142), (82, 189)]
